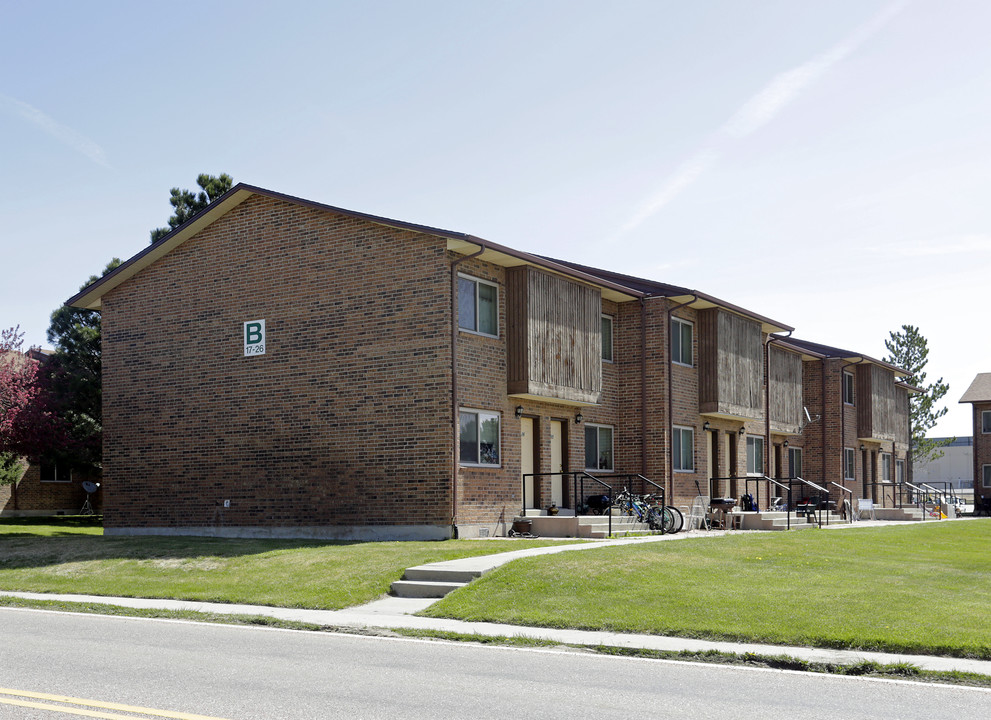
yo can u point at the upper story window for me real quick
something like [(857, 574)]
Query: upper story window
[(848, 463), (755, 455), (52, 471), (681, 341), (479, 438), (598, 447), (848, 396), (986, 421), (607, 338), (683, 449), (478, 306)]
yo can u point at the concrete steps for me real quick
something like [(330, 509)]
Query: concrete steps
[(424, 581)]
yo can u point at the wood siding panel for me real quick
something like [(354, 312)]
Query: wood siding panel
[(555, 342), (785, 391), (731, 358), (881, 413)]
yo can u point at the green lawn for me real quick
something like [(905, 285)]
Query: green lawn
[(922, 588), (72, 556)]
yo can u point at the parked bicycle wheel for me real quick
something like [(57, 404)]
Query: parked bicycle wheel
[(678, 519)]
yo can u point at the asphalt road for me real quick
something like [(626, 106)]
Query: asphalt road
[(244, 673)]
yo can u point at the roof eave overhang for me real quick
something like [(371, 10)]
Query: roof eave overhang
[(702, 301)]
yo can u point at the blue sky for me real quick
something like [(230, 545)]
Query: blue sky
[(822, 163)]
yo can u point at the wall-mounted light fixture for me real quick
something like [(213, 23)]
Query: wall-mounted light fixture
[(705, 427), (743, 430), (862, 448), (519, 411), (578, 419), (786, 443)]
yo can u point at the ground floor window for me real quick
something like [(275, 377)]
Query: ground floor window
[(479, 438), (899, 471), (886, 467), (683, 449), (598, 447), (987, 476), (795, 462), (848, 463), (755, 455), (52, 471)]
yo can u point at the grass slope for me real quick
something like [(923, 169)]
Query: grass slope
[(72, 556), (922, 588)]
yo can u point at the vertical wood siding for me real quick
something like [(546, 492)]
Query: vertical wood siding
[(732, 364), (554, 336), (786, 390)]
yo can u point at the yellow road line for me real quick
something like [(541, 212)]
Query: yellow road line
[(90, 703)]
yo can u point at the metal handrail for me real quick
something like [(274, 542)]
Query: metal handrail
[(607, 486), (819, 504), (846, 490)]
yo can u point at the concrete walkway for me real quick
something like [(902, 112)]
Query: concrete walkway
[(396, 613)]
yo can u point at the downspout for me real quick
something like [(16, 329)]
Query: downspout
[(669, 491), (842, 419), (643, 387), (456, 455), (767, 399)]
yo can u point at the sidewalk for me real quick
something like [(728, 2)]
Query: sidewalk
[(397, 613)]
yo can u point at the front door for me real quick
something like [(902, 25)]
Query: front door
[(526, 462), (712, 440), (557, 462)]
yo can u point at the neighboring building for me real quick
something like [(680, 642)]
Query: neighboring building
[(979, 397), (48, 488), (954, 469), (281, 367)]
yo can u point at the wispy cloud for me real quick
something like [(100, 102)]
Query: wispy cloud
[(64, 134), (757, 112), (936, 247)]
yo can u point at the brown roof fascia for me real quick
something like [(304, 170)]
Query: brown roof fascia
[(90, 296)]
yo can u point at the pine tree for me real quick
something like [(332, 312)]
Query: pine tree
[(187, 203), (908, 349)]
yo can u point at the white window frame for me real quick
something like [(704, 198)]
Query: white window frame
[(794, 452), (849, 463), (474, 330), (481, 415), (55, 470), (752, 468), (677, 322), (899, 471), (598, 449), (985, 424), (678, 441), (607, 354), (849, 381), (886, 467), (986, 476)]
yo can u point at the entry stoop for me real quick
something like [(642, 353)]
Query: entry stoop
[(425, 581)]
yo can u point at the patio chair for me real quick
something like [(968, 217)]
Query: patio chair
[(865, 505)]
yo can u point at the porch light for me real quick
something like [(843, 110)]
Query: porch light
[(786, 443), (862, 448), (742, 430), (705, 426), (578, 418), (519, 411)]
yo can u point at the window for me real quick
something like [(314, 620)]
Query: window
[(607, 338), (755, 455), (987, 476), (479, 438), (899, 471), (986, 421), (795, 461), (54, 471), (886, 467), (598, 447), (681, 341), (683, 449), (848, 396), (478, 306), (848, 463)]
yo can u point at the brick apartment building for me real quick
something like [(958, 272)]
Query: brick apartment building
[(979, 397), (281, 367)]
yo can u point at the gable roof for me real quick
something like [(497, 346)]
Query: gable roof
[(828, 351), (694, 298), (979, 390), (90, 297)]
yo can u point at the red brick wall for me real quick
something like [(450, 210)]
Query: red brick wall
[(982, 451), (344, 421)]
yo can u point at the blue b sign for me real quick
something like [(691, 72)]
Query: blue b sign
[(254, 337)]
